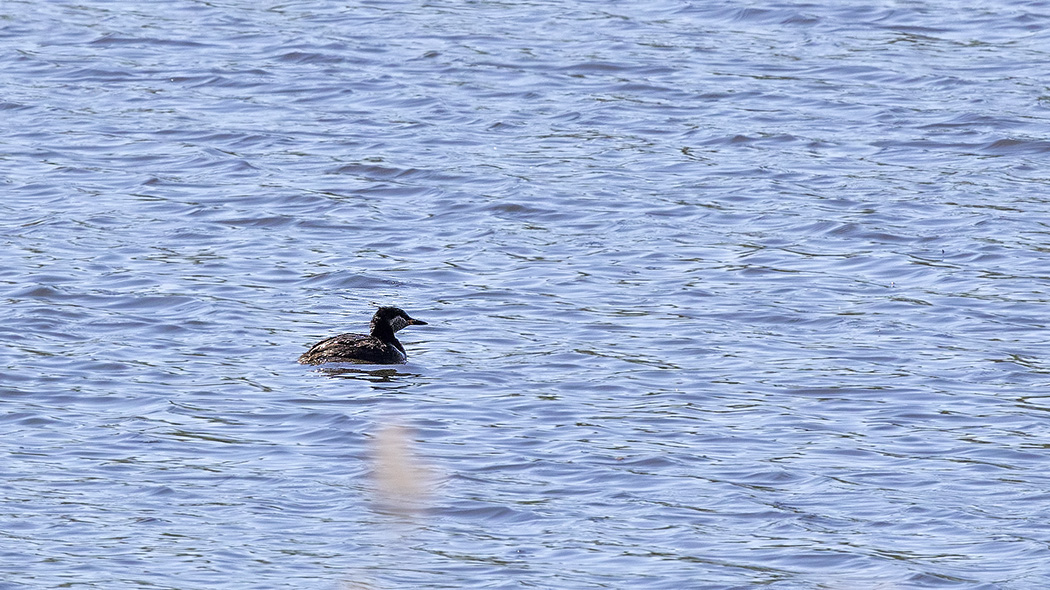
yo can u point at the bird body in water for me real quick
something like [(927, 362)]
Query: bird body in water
[(379, 346)]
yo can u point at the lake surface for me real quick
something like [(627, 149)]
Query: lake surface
[(720, 297)]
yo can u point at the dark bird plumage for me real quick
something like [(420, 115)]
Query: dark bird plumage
[(378, 347)]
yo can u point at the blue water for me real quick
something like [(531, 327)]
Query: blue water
[(720, 297)]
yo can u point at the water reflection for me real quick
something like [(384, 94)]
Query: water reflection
[(345, 371)]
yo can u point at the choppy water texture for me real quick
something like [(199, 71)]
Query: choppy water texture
[(720, 297)]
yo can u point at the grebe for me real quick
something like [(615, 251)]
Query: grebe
[(379, 347)]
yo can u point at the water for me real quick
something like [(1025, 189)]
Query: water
[(719, 296)]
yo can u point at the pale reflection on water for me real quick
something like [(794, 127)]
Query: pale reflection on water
[(402, 482)]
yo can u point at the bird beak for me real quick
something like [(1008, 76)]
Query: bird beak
[(416, 323)]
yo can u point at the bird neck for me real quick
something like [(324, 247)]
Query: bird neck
[(385, 333)]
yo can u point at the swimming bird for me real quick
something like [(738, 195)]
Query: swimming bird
[(378, 347)]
